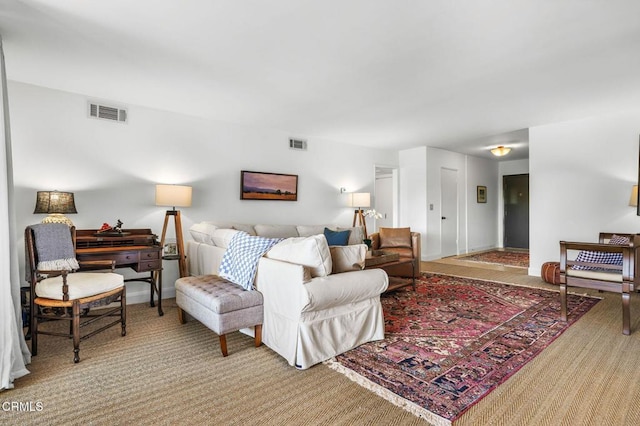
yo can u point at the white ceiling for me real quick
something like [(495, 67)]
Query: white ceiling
[(464, 75)]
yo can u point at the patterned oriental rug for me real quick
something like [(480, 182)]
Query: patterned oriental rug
[(454, 340), (515, 258)]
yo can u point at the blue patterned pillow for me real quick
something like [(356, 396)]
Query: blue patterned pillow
[(337, 238), (619, 239)]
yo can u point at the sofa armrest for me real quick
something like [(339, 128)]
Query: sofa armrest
[(282, 286)]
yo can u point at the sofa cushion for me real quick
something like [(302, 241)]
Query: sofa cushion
[(309, 230), (203, 232), (221, 237), (310, 251), (347, 258), (276, 231), (336, 238), (395, 237), (356, 236)]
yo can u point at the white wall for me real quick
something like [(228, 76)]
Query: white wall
[(581, 174), (507, 168), (413, 192), (112, 168), (420, 188), (481, 217)]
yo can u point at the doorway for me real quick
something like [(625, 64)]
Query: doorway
[(386, 197), (516, 211), (449, 212)]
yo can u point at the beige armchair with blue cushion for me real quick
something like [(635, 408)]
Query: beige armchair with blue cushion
[(609, 265)]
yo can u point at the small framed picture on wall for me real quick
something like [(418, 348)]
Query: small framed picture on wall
[(482, 194)]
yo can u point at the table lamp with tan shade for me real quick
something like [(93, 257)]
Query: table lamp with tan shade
[(360, 200), (174, 196)]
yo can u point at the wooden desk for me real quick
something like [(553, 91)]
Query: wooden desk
[(137, 249)]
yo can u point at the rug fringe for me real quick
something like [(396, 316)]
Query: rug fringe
[(396, 400)]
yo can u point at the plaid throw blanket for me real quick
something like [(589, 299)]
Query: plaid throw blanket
[(240, 261), (54, 247)]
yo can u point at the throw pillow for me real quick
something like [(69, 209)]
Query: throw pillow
[(356, 236), (203, 232), (222, 237), (619, 239), (337, 238), (348, 258), (395, 237), (307, 251), (589, 256)]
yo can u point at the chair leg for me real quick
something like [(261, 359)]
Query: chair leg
[(257, 331), (123, 312), (223, 344), (34, 329), (75, 323), (563, 302), (626, 315)]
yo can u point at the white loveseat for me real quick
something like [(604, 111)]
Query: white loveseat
[(309, 315)]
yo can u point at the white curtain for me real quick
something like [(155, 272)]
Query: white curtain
[(14, 353)]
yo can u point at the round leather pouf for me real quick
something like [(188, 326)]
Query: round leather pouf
[(550, 272)]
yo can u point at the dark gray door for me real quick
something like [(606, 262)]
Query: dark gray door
[(516, 211)]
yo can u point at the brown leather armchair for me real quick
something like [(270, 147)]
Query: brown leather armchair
[(401, 241)]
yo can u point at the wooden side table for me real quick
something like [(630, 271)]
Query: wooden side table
[(382, 260)]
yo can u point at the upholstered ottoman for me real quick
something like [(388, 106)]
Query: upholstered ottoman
[(220, 305), (550, 272)]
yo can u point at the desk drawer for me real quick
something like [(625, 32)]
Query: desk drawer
[(148, 255), (126, 258), (148, 265)]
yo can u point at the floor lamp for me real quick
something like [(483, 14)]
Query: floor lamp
[(360, 200), (174, 196)]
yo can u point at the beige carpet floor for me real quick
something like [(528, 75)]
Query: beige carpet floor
[(166, 373)]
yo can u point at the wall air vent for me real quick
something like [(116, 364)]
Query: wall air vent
[(299, 144), (105, 112)]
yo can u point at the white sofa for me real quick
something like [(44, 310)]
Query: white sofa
[(306, 319)]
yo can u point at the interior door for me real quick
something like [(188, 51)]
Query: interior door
[(516, 211), (449, 212)]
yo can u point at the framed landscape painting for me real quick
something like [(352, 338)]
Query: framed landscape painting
[(268, 186)]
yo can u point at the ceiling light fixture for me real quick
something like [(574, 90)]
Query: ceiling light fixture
[(500, 151)]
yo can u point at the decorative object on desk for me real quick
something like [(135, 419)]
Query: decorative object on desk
[(56, 204), (360, 200), (482, 194), (111, 231), (268, 186), (174, 196)]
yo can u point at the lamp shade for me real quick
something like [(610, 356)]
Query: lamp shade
[(359, 199), (173, 195), (633, 199), (48, 202)]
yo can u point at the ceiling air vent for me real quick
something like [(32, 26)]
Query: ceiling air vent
[(105, 112), (298, 144)]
